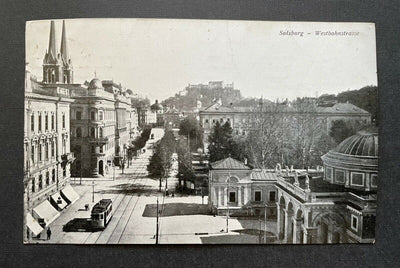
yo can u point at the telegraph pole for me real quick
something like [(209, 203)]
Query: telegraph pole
[(157, 224)]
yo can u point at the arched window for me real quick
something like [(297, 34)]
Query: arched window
[(33, 185), (92, 115), (40, 123), (46, 150), (53, 175), (63, 120), (78, 132), (92, 132), (47, 178), (40, 152), (100, 132), (100, 115), (40, 182), (32, 122)]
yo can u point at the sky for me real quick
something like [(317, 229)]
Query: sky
[(159, 57)]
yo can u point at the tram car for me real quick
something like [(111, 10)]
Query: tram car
[(101, 214)]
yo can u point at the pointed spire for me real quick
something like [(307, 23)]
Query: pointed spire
[(64, 48), (52, 40)]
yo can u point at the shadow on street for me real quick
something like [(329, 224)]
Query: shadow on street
[(176, 209)]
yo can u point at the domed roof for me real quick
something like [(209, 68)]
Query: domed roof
[(364, 143), (156, 106), (95, 84)]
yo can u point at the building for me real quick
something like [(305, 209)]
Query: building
[(172, 117), (47, 156), (158, 109), (339, 207), (240, 190), (239, 117), (93, 127)]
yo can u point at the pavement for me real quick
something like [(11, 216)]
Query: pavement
[(131, 193)]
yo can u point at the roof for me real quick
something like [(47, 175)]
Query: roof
[(340, 108), (95, 84), (364, 143), (229, 163), (101, 205), (263, 175)]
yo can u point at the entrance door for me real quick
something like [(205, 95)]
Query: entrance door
[(101, 167)]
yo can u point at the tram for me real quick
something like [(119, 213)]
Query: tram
[(101, 214)]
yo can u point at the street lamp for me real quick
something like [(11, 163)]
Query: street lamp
[(93, 191)]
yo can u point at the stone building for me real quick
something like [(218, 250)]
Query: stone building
[(242, 190), (338, 208), (47, 156)]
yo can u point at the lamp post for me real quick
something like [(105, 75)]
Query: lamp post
[(265, 224), (93, 191), (227, 199), (157, 224)]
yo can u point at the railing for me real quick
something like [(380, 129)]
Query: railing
[(296, 190)]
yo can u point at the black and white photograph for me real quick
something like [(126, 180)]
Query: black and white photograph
[(183, 131)]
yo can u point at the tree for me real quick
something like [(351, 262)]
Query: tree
[(221, 143), (340, 130), (190, 127), (185, 170)]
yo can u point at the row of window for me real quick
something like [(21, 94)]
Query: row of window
[(356, 178), (47, 181), (46, 122), (45, 150), (257, 196), (78, 132), (104, 116)]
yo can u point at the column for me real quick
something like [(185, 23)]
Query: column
[(226, 197), (296, 231), (245, 195), (240, 196), (214, 197), (219, 197), (278, 219), (288, 227)]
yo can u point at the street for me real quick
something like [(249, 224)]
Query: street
[(134, 196)]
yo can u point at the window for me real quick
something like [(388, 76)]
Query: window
[(228, 119), (52, 121), (64, 146), (78, 115), (374, 180), (100, 115), (52, 149), (92, 132), (40, 152), (339, 176), (100, 132), (243, 132), (63, 120), (206, 120), (46, 122), (257, 196), (46, 151), (33, 185), (357, 179), (92, 115), (101, 149), (272, 196), (47, 178), (64, 172), (329, 173), (53, 175), (213, 121), (354, 222), (221, 120), (78, 132), (33, 153), (40, 182), (232, 197), (32, 122), (40, 122)]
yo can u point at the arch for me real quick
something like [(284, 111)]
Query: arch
[(101, 167), (330, 225), (232, 179)]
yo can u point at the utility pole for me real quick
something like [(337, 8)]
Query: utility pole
[(157, 224), (93, 191), (265, 224)]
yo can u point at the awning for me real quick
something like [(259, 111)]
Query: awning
[(33, 225), (58, 201), (69, 194), (46, 211)]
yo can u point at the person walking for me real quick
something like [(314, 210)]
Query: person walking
[(48, 233)]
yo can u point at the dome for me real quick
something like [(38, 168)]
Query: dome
[(156, 106), (364, 143), (95, 84)]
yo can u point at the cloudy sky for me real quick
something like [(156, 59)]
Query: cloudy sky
[(158, 58)]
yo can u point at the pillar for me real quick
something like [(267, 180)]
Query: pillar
[(240, 196), (278, 219), (226, 197), (296, 231), (245, 197), (219, 197), (288, 227)]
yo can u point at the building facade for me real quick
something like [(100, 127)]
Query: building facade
[(339, 207), (240, 190)]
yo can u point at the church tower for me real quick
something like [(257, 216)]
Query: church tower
[(57, 68), (66, 60)]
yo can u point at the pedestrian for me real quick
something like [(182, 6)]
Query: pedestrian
[(48, 233)]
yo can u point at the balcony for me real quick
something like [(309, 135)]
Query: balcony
[(101, 140), (68, 157)]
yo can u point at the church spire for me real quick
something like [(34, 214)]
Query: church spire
[(52, 41), (64, 48)]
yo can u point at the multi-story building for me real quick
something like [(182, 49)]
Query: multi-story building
[(239, 117), (47, 156), (47, 139)]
